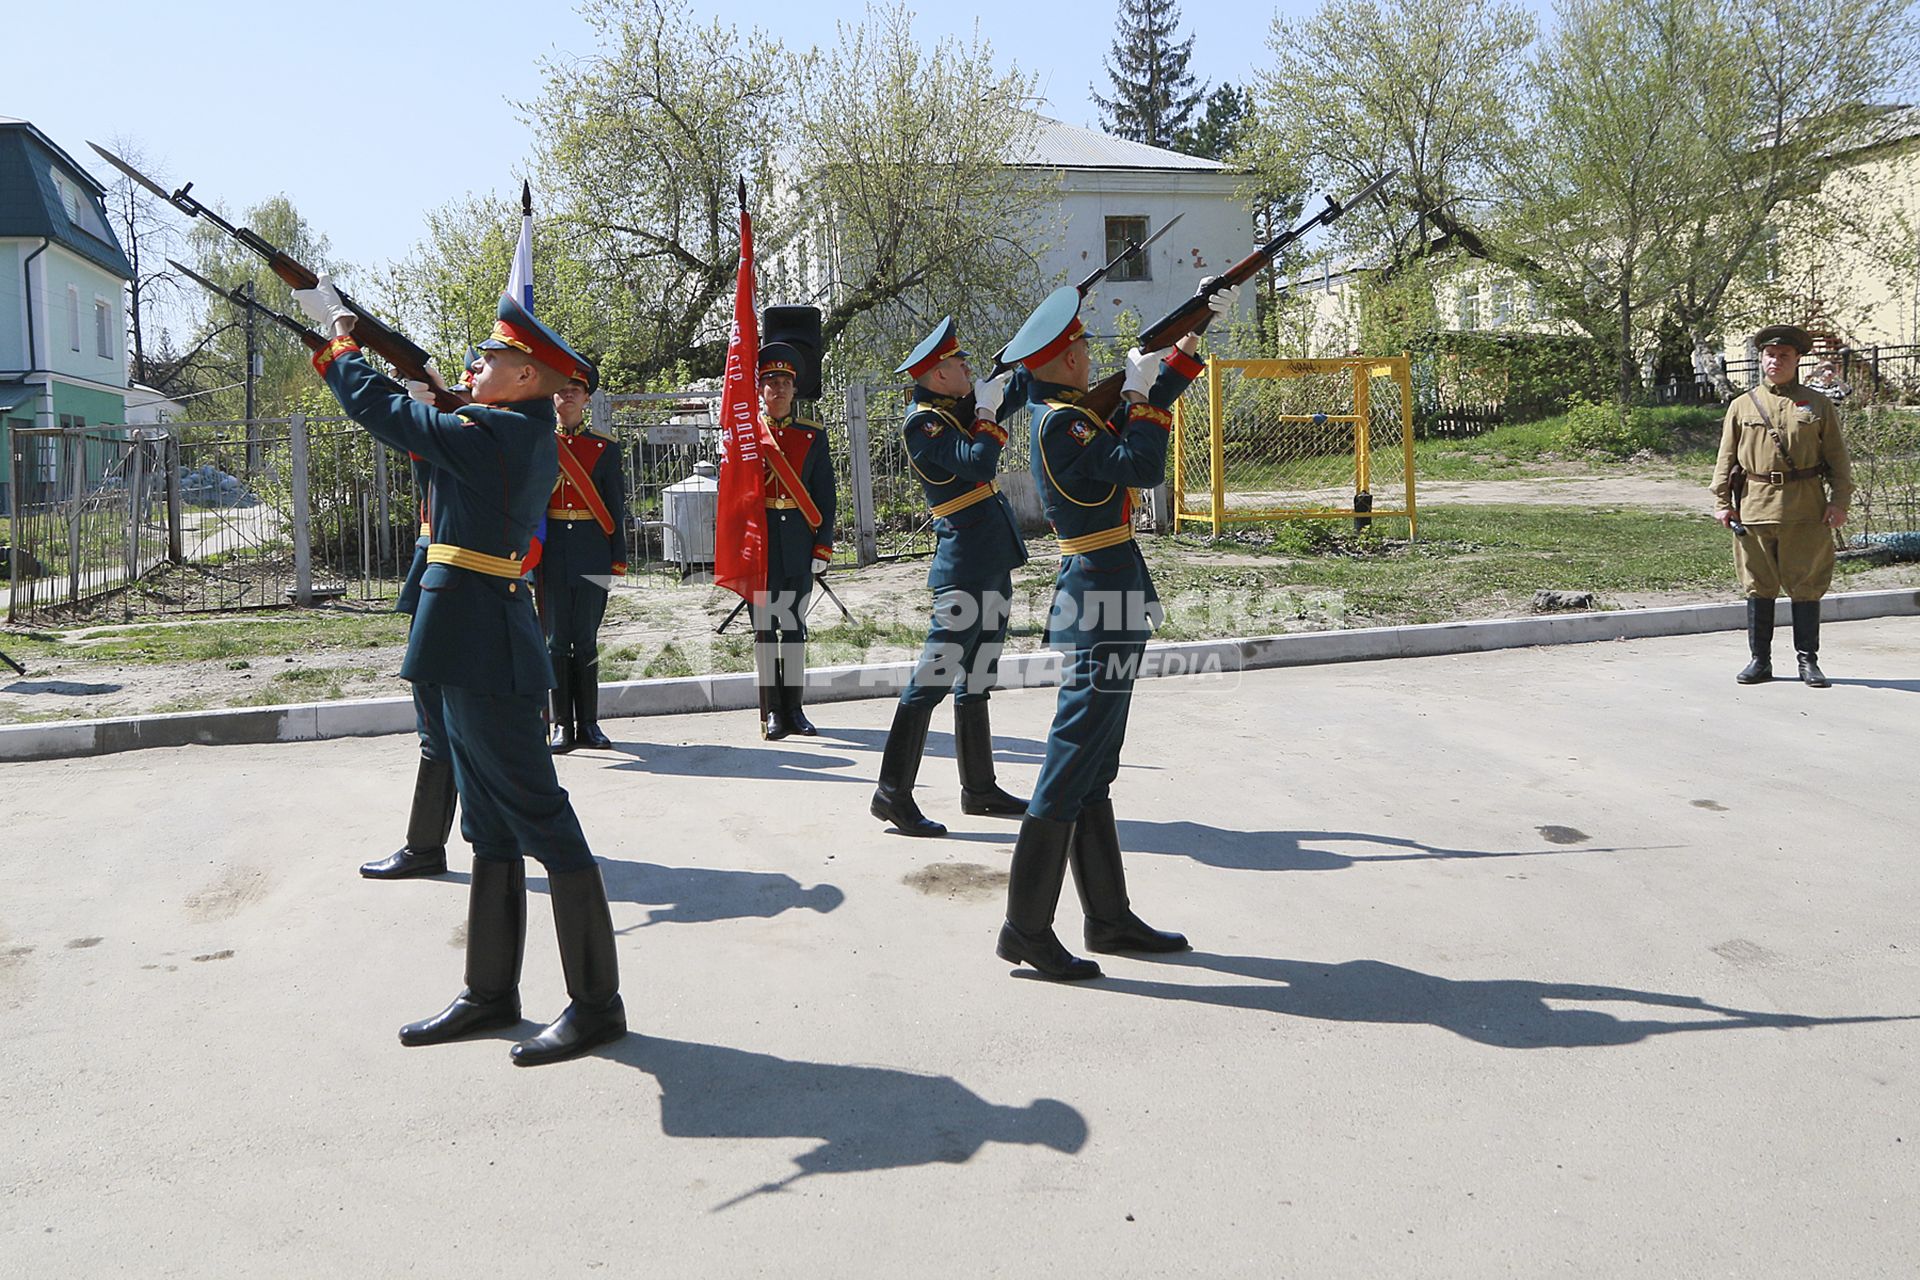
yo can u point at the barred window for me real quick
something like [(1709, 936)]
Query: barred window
[(1119, 232)]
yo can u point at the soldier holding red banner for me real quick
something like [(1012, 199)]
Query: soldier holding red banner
[(585, 549), (799, 502)]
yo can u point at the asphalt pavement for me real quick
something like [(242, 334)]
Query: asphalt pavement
[(1568, 961)]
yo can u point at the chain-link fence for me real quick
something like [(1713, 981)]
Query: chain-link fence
[(1295, 439), (89, 513), (215, 516), (1883, 442)]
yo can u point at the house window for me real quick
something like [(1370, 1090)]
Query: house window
[(1119, 232), (44, 470), (102, 328), (1469, 316), (73, 317), (1500, 306)]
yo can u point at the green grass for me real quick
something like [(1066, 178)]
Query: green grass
[(1692, 433), (234, 639), (1480, 561)]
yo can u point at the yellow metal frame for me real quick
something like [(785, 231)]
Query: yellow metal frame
[(1363, 370)]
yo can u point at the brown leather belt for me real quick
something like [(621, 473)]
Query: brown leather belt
[(1787, 477)]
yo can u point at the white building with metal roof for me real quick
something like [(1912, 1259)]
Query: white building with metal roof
[(1113, 190)]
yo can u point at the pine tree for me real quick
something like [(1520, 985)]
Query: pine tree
[(1219, 130), (1154, 94)]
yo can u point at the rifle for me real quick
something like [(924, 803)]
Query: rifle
[(1193, 315), (1133, 250), (240, 297), (408, 359)]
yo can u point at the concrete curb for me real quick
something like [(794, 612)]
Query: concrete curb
[(374, 717)]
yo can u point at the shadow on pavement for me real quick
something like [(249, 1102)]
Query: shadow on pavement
[(697, 895), (692, 895), (866, 1118), (1504, 1013), (706, 760), (1006, 750), (1288, 851), (1910, 686)]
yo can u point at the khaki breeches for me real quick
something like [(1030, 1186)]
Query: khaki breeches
[(1792, 560)]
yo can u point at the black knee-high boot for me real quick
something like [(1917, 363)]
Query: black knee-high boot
[(1806, 642), (1033, 891), (560, 702), (496, 940), (1102, 882), (980, 792), (586, 705), (793, 687), (428, 826), (1759, 642), (583, 925), (899, 766)]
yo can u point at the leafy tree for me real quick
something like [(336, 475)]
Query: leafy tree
[(1426, 88), (642, 143), (1615, 152), (909, 192), (1154, 96), (222, 333)]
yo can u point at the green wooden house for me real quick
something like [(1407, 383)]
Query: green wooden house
[(63, 277)]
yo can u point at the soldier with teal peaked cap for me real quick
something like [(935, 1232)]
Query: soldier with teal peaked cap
[(953, 444), (1104, 608), (800, 510), (476, 638)]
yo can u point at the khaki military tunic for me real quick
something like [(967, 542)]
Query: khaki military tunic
[(1787, 550)]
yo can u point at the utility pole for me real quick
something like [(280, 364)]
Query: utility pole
[(253, 431)]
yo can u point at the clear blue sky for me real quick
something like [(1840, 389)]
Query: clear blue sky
[(247, 100)]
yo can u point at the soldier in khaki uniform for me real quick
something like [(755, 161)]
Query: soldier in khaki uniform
[(1798, 483)]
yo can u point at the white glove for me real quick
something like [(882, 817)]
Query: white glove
[(1224, 301), (424, 391), (989, 394), (819, 565), (322, 302), (1142, 368)]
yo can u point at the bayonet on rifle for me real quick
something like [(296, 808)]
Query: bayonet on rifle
[(240, 297), (406, 356), (1133, 250)]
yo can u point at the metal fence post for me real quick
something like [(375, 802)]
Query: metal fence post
[(136, 491), (70, 448), (176, 552), (16, 486), (383, 513), (302, 512), (859, 454)]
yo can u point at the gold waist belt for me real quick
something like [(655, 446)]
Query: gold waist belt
[(478, 561), (569, 513), (1095, 541), (979, 493), (782, 504)]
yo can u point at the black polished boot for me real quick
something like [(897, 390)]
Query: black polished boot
[(1033, 891), (1097, 874), (793, 687), (1806, 642), (560, 702), (980, 792), (1759, 642), (428, 826), (586, 705), (496, 939), (776, 725), (899, 765), (583, 925)]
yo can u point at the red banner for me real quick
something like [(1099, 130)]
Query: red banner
[(740, 535)]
